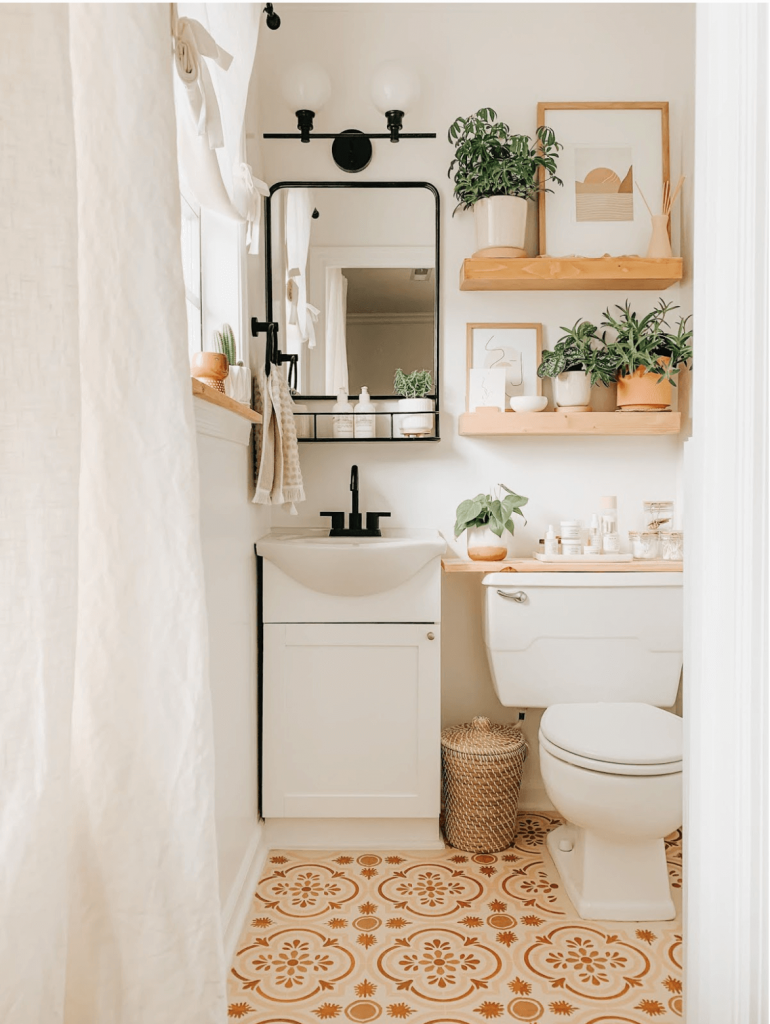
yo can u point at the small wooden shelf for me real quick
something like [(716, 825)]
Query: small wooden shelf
[(533, 565), (571, 273), (501, 424), (209, 394)]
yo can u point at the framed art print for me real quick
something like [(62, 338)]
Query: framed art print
[(611, 152), (486, 389), (515, 348)]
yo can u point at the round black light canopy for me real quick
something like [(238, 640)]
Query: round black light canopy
[(353, 152)]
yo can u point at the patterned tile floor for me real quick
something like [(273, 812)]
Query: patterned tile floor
[(446, 938)]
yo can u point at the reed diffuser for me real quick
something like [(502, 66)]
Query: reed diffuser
[(660, 242)]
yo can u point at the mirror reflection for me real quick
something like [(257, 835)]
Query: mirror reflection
[(354, 284)]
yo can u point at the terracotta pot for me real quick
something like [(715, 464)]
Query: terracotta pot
[(643, 391), (210, 368), (485, 546)]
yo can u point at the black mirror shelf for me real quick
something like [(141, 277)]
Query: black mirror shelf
[(315, 419)]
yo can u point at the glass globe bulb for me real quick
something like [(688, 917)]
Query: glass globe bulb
[(394, 87), (306, 86)]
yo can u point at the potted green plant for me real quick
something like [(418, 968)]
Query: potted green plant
[(238, 382), (413, 389), (485, 517), (496, 172), (648, 355), (578, 360)]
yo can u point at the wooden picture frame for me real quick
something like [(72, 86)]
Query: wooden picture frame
[(537, 353), (570, 178)]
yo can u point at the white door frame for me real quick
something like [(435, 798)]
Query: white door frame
[(726, 488)]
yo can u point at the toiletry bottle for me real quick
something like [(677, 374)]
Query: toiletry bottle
[(610, 535), (342, 426), (364, 421), (570, 537), (551, 542), (594, 545)]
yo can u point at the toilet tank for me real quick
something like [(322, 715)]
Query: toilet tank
[(574, 637)]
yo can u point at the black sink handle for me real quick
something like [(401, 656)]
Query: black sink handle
[(373, 523), (338, 520)]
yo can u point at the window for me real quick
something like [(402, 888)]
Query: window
[(191, 269)]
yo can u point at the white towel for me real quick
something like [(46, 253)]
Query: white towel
[(279, 476)]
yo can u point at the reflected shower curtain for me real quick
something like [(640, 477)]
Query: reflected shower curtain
[(299, 219), (108, 885), (336, 331)]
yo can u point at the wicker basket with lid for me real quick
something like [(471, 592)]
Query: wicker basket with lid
[(482, 765)]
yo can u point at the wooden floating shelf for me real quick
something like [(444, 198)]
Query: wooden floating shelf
[(209, 394), (501, 424), (533, 565), (572, 273)]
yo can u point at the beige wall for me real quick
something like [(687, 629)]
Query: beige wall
[(509, 56)]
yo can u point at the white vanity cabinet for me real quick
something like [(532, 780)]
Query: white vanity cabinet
[(351, 720), (351, 724)]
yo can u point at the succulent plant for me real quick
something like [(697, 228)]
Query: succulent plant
[(224, 342), (413, 385)]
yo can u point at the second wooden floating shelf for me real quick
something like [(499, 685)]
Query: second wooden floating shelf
[(501, 424), (571, 273)]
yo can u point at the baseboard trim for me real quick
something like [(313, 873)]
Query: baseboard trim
[(354, 834), (238, 904)]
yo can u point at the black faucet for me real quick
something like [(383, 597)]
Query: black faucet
[(354, 528)]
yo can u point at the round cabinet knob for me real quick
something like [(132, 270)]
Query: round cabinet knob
[(566, 845), (431, 636)]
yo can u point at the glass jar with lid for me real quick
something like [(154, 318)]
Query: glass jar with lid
[(645, 544), (658, 516), (673, 546)]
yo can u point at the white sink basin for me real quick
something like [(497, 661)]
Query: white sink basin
[(351, 566)]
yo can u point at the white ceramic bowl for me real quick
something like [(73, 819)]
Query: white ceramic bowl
[(529, 403)]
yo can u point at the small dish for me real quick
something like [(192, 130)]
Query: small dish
[(529, 403)]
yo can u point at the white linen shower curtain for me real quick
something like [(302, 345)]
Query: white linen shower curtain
[(108, 883), (299, 220), (336, 331)]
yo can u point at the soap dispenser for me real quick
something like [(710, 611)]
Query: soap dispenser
[(364, 421), (342, 426)]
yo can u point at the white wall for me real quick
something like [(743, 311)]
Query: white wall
[(230, 526), (508, 56)]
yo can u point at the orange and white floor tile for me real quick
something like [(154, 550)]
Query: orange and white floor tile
[(446, 938)]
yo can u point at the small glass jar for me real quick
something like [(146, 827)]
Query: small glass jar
[(673, 546), (649, 545), (659, 516), (634, 538)]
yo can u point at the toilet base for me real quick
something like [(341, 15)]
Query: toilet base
[(610, 880)]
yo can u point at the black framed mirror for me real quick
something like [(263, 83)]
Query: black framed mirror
[(352, 279)]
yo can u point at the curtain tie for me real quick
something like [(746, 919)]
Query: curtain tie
[(247, 194), (191, 43)]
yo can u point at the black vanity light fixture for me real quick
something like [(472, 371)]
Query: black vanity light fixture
[(272, 20), (395, 89)]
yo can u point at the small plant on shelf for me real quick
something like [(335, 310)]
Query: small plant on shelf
[(224, 342), (647, 355), (413, 385), (486, 517), (581, 349), (649, 344), (491, 161)]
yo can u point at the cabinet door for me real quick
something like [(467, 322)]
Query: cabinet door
[(351, 721)]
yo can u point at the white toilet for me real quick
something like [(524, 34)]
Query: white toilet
[(603, 653)]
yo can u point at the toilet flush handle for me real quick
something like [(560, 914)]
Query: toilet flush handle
[(518, 596)]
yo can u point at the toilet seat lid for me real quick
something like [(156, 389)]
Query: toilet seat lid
[(630, 734)]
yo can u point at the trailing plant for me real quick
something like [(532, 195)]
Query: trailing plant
[(642, 342), (413, 385), (225, 343), (581, 348), (490, 161), (494, 512)]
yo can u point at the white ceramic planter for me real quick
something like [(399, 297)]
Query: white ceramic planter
[(485, 546), (238, 384), (415, 426), (572, 388), (501, 223)]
